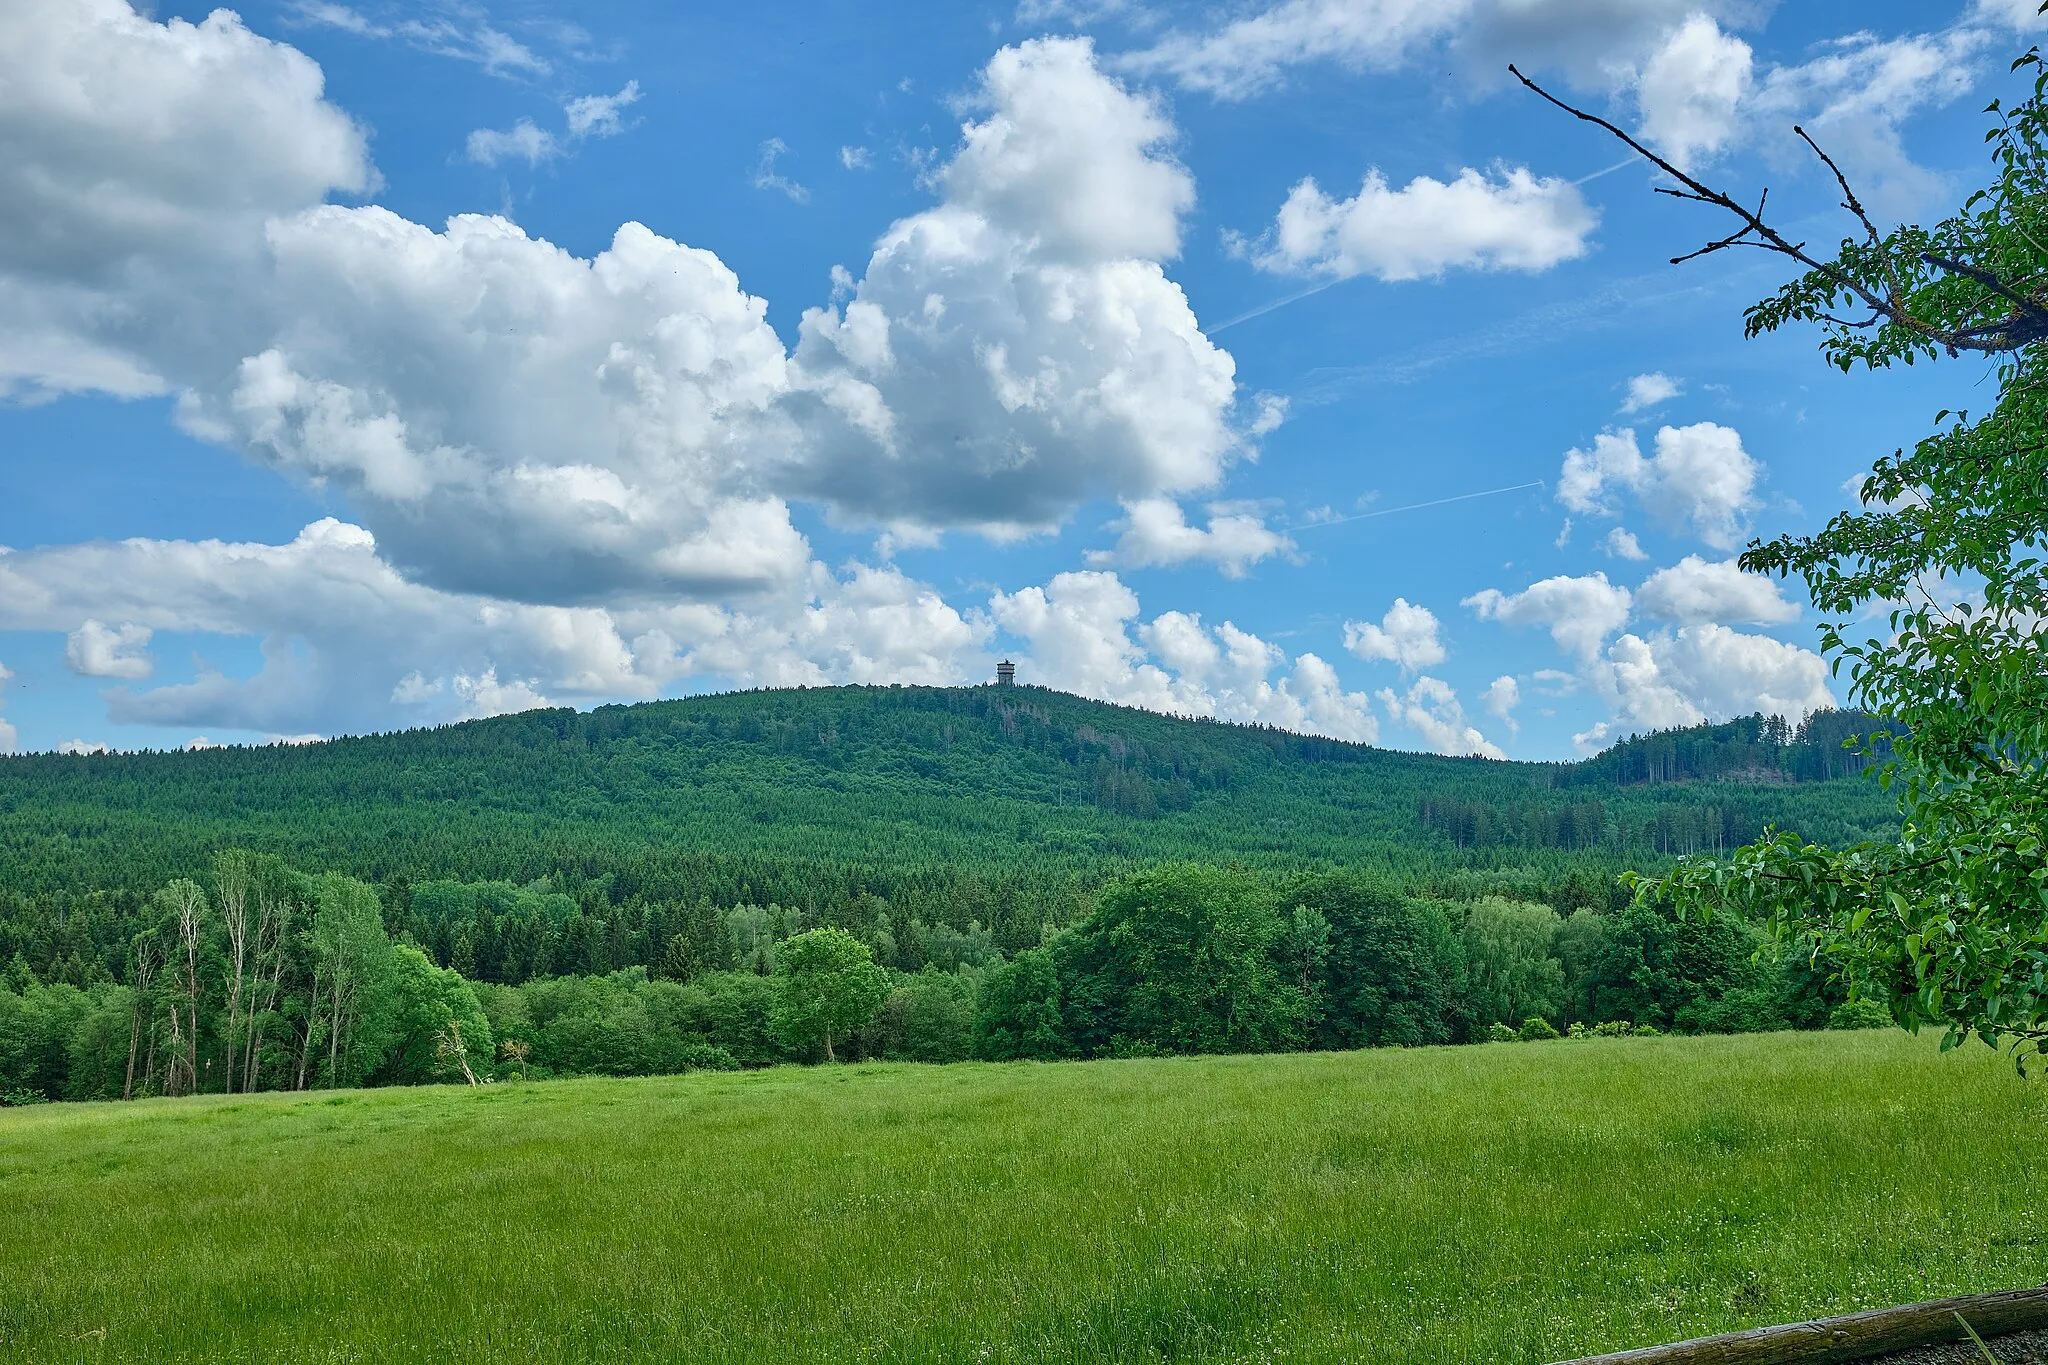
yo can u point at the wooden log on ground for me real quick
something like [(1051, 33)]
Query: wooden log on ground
[(1855, 1336)]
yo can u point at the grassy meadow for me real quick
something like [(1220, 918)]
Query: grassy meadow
[(1504, 1203)]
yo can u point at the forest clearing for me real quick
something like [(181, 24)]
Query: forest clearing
[(1500, 1203)]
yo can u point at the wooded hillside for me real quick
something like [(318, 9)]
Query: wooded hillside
[(793, 795)]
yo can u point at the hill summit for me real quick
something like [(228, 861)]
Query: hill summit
[(885, 782)]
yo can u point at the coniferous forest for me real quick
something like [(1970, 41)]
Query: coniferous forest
[(931, 874)]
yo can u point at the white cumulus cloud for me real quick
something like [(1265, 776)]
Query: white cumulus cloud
[(1691, 89), (1020, 346), (1079, 629), (1650, 390), (1695, 590), (1580, 613), (1704, 672), (1407, 635), (1697, 88), (1155, 532), (1430, 708), (100, 651), (141, 160), (1505, 219), (1501, 697), (1621, 543), (351, 644), (486, 696), (1700, 479)]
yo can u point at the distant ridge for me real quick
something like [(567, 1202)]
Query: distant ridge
[(882, 781)]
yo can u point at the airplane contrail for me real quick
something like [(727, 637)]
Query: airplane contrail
[(1417, 506)]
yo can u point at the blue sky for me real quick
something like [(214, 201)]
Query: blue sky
[(379, 365)]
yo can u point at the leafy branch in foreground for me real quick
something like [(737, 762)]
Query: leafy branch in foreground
[(1949, 925)]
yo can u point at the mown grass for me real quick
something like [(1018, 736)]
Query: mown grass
[(1509, 1203)]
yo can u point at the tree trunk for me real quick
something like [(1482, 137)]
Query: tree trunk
[(274, 920), (1858, 1336), (234, 910), (334, 1015), (189, 902), (144, 972)]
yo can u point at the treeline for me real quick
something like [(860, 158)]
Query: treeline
[(1824, 746), (264, 978), (1669, 830), (941, 799)]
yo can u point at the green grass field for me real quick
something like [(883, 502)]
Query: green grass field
[(1509, 1203)]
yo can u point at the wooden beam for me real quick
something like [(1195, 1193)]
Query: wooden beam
[(1856, 1336)]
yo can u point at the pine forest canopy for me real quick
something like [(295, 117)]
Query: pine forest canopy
[(800, 794)]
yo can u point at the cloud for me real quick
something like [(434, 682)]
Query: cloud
[(1697, 88), (1580, 613), (1155, 533), (486, 696), (598, 115), (587, 116), (1430, 708), (513, 420), (1507, 219), (874, 625), (2023, 15), (1621, 543), (137, 160), (572, 473), (1690, 91), (9, 736), (98, 651), (460, 35), (1700, 479), (339, 628), (1501, 697), (856, 158), (1251, 54), (1019, 346), (350, 644), (82, 747), (1597, 42), (1704, 672), (1854, 98), (766, 177), (1694, 590), (1406, 635), (1701, 670), (1078, 629), (522, 141), (1072, 156), (1650, 390)]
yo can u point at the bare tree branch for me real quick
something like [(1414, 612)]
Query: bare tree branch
[(2027, 323)]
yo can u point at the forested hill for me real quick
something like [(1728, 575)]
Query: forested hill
[(1824, 746), (876, 788)]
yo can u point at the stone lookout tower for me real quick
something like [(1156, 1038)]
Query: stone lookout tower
[(1006, 674)]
